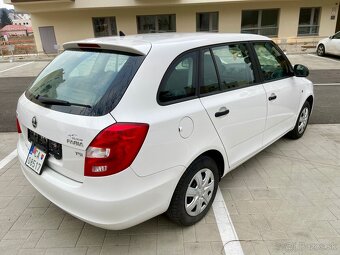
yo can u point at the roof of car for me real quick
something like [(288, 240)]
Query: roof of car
[(142, 43)]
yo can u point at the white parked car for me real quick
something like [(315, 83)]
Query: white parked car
[(118, 130), (330, 45)]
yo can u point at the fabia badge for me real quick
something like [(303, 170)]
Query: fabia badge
[(34, 122), (73, 139)]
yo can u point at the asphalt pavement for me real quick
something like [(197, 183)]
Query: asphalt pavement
[(10, 90)]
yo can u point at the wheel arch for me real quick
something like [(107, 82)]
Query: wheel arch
[(310, 100), (218, 158)]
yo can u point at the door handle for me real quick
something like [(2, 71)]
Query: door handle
[(272, 97), (222, 112)]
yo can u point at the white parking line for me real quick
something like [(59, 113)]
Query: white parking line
[(8, 159), (231, 243), (315, 56), (16, 67), (327, 84)]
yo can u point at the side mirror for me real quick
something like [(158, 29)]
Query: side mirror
[(331, 37), (301, 71)]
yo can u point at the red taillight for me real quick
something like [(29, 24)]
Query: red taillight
[(18, 126), (114, 149)]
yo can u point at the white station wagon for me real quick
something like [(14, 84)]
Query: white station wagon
[(118, 130)]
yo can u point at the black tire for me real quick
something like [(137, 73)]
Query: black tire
[(177, 211), (321, 51), (297, 133)]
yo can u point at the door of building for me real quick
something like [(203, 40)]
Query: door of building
[(48, 39)]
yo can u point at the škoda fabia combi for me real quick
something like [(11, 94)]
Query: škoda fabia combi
[(118, 130)]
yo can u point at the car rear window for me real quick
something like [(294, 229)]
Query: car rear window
[(92, 82)]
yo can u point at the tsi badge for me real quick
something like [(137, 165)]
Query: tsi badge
[(73, 139)]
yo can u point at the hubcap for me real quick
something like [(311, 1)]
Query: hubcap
[(303, 120), (320, 50), (199, 192)]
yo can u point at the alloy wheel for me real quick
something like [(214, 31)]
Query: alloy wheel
[(303, 120)]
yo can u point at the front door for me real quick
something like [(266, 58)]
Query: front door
[(334, 44), (235, 102), (48, 39), (282, 90)]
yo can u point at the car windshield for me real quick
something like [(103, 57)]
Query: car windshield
[(85, 78)]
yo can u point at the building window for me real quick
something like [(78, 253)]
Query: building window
[(207, 22), (262, 22), (309, 21), (104, 26), (156, 23)]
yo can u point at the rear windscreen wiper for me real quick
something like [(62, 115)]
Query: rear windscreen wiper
[(54, 101)]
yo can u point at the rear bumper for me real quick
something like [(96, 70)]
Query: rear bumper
[(113, 202)]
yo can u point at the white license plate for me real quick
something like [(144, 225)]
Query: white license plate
[(35, 159)]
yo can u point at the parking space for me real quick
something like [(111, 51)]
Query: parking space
[(21, 69), (314, 62), (286, 200)]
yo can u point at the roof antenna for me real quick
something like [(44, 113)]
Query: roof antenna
[(121, 33)]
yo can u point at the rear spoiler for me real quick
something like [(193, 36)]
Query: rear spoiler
[(133, 47)]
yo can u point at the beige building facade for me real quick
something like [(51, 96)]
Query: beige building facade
[(56, 22)]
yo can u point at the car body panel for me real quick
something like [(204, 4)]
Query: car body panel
[(282, 111), (332, 44), (241, 131), (178, 133), (73, 132)]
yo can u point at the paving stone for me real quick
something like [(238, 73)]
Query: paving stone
[(113, 249), (266, 194), (323, 229), (66, 251), (273, 235), (217, 248), (59, 238), (115, 239), (246, 231), (94, 250), (70, 222), (10, 246), (40, 201), (207, 232), (32, 252), (202, 248), (33, 239), (91, 236), (170, 243), (240, 194), (17, 234), (143, 244), (189, 234)]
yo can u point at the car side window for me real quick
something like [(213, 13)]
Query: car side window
[(209, 81), (234, 66), (336, 36), (179, 81), (274, 65)]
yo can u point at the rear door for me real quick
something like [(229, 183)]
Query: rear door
[(283, 92), (233, 98)]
